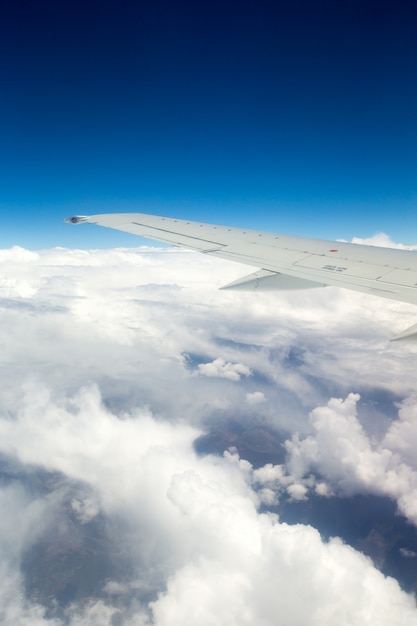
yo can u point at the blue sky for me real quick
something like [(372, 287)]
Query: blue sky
[(295, 117)]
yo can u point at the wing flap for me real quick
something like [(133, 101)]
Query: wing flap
[(409, 334), (400, 277), (265, 280)]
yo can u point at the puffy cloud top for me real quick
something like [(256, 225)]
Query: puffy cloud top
[(115, 362)]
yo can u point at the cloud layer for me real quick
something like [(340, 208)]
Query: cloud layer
[(115, 362)]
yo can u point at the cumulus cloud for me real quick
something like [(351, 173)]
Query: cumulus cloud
[(220, 369), (194, 528), (340, 451), (293, 576), (113, 364), (382, 240), (256, 397)]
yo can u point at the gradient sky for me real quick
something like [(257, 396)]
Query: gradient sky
[(297, 117)]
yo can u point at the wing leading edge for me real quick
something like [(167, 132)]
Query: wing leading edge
[(286, 262)]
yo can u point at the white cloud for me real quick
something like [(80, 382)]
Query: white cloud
[(97, 613), (22, 522), (256, 397), (382, 240), (270, 473), (94, 384), (297, 491), (341, 452), (408, 554), (219, 368), (195, 521), (85, 509), (290, 574)]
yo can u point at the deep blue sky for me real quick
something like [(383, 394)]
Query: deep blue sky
[(298, 117)]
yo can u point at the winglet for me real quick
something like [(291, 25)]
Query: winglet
[(77, 219)]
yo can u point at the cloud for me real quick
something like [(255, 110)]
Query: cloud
[(22, 522), (193, 527), (297, 491), (408, 554), (293, 575), (340, 451), (113, 363), (256, 397), (220, 369), (85, 510), (382, 240)]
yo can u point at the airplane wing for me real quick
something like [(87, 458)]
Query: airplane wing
[(285, 262)]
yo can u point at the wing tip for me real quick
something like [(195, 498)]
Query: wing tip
[(77, 219)]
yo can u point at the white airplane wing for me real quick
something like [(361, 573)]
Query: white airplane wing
[(286, 262)]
